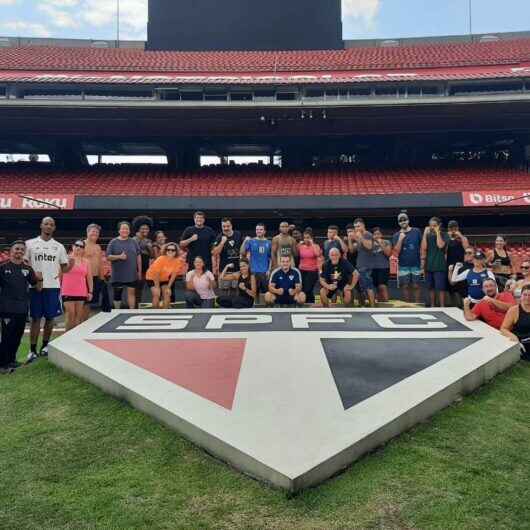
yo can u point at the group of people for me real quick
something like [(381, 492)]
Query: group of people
[(230, 271)]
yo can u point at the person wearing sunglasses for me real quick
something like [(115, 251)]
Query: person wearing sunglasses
[(516, 287), (407, 247), (77, 286), (162, 274)]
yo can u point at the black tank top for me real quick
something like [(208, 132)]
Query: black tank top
[(505, 262), (455, 252), (522, 326), (248, 285)]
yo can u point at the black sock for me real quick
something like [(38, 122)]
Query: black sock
[(33, 348)]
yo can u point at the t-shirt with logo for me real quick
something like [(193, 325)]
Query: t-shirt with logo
[(260, 255), (286, 280), (231, 250), (46, 257), (474, 283), (492, 315), (341, 273), (15, 280), (410, 248)]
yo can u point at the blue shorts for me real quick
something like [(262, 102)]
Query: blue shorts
[(45, 304), (366, 281), (409, 275), (436, 281)]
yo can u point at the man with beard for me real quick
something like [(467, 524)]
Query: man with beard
[(227, 248), (283, 244)]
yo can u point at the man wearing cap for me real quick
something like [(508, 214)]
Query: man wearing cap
[(474, 277), (492, 308), (15, 280), (407, 247)]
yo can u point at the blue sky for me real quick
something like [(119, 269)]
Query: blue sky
[(362, 18)]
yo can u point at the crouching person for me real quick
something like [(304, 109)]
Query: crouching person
[(246, 286), (338, 277), (200, 285), (285, 286)]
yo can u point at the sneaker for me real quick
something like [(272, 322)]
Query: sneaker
[(6, 370), (32, 356), (44, 352)]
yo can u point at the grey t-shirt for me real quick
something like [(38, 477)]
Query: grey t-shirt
[(381, 261), (124, 271), (365, 257)]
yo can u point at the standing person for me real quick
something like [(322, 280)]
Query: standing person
[(516, 325), (48, 259), (200, 285), (474, 277), (283, 244), (15, 279), (142, 226), (492, 308), (162, 274), (500, 260), (351, 256), (365, 259), (434, 248), (259, 252), (285, 286), (517, 286), (246, 286), (94, 255), (381, 271), (77, 287), (310, 254), (160, 239), (407, 248), (123, 253), (459, 289), (456, 253), (337, 277), (197, 240), (227, 248), (334, 241)]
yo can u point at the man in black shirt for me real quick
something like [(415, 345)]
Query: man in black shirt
[(15, 279), (456, 248), (337, 276), (227, 246), (198, 241)]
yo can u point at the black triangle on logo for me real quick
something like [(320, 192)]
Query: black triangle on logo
[(364, 367)]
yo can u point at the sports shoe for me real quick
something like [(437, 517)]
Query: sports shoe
[(44, 352), (6, 370), (32, 356)]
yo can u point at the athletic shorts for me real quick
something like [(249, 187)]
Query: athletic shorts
[(262, 282), (380, 276), (409, 275), (285, 300), (151, 283), (436, 281), (122, 285), (74, 299), (365, 279), (45, 304)]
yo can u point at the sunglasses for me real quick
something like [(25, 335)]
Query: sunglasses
[(79, 246), (171, 250), (525, 268)]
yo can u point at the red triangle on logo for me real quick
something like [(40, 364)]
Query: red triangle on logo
[(208, 368)]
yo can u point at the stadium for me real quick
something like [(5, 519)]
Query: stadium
[(292, 124)]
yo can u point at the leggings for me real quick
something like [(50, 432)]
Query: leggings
[(193, 300), (236, 302), (12, 332), (309, 280)]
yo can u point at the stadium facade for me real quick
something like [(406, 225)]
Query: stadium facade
[(432, 127)]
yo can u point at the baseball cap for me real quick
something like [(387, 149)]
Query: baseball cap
[(452, 224), (479, 255), (403, 217)]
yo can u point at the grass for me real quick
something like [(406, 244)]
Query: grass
[(73, 458)]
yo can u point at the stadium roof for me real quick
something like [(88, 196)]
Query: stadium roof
[(431, 61)]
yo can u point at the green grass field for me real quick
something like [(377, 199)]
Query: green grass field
[(73, 458)]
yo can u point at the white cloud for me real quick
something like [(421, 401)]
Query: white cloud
[(25, 29), (63, 3), (8, 2), (367, 10), (58, 17), (133, 15)]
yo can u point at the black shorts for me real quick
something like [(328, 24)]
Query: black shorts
[(380, 276), (121, 285), (262, 282), (151, 283), (74, 299)]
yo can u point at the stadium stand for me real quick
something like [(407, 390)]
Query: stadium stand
[(122, 180), (43, 58)]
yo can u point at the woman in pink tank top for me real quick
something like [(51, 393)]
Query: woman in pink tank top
[(77, 287)]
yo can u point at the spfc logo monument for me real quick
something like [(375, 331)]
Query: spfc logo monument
[(287, 396)]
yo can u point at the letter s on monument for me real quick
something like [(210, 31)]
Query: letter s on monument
[(387, 321), (155, 322)]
